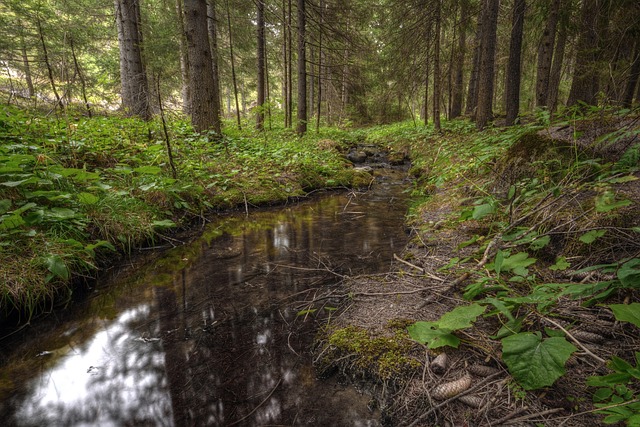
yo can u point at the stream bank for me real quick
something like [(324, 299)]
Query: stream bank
[(506, 231)]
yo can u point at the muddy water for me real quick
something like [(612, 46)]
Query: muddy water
[(209, 332)]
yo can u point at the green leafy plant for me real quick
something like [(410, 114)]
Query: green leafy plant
[(441, 332), (617, 393)]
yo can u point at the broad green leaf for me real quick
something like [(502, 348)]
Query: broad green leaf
[(517, 261), (460, 317), (497, 264), (18, 183), (607, 202), (629, 273), (533, 361), (560, 265), (11, 222), (627, 312), (540, 243), (57, 267), (591, 236), (165, 223), (429, 333), (149, 170), (61, 213), (88, 198), (483, 210), (5, 205)]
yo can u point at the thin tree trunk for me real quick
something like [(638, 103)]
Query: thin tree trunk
[(585, 74), (233, 67), (512, 91), (487, 64), (290, 65), (427, 73), (167, 140), (261, 66), (184, 60), (319, 101), (436, 69), (25, 63), (556, 67), (45, 56), (634, 74), (457, 90), (83, 84), (285, 76), (212, 27), (301, 128), (472, 94), (545, 55)]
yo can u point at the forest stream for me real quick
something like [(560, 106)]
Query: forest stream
[(211, 332)]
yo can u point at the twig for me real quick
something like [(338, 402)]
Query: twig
[(537, 414), (574, 339), (420, 269), (510, 415), (259, 405), (568, 417)]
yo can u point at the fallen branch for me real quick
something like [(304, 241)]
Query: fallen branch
[(420, 269), (575, 340)]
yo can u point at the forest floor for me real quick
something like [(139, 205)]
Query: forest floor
[(521, 254)]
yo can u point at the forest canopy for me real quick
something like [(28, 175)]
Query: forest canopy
[(333, 62)]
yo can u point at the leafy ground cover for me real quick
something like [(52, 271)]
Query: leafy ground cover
[(75, 191), (520, 287)]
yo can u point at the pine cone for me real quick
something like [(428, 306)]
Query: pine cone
[(452, 388)]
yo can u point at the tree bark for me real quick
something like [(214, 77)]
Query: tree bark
[(585, 76), (135, 88), (261, 66), (233, 68), (212, 27), (203, 113), (436, 68), (301, 128), (472, 94), (545, 54), (290, 67), (285, 61), (427, 73), (558, 58), (487, 63), (45, 56), (25, 63), (458, 81), (512, 90), (634, 74)]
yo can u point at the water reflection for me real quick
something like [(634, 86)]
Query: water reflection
[(202, 336)]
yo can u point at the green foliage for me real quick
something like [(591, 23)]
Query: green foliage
[(617, 392), (534, 361), (440, 333), (627, 312)]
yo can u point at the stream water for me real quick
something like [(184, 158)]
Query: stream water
[(209, 332)]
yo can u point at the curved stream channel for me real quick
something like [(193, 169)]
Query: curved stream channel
[(209, 332)]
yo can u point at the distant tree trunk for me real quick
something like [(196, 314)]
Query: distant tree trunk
[(487, 63), (545, 54), (135, 88), (301, 128), (45, 56), (290, 67), (83, 84), (472, 94), (233, 69), (512, 92), (436, 68), (427, 73), (458, 81), (285, 67), (556, 67), (212, 27), (25, 63), (184, 60), (201, 80), (319, 110), (585, 75), (634, 74), (261, 66)]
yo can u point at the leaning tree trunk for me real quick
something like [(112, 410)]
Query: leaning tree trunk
[(301, 128), (201, 79), (487, 63), (512, 92)]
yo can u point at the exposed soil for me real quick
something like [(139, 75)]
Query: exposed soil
[(424, 286)]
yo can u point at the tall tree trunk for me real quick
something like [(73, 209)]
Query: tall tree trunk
[(427, 72), (487, 63), (545, 54), (585, 75), (135, 88), (558, 58), (203, 113), (512, 92), (301, 128), (285, 67), (290, 67), (184, 60), (233, 68), (319, 101), (212, 27), (472, 94), (436, 68), (458, 80), (261, 67), (634, 74), (45, 56), (25, 63)]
